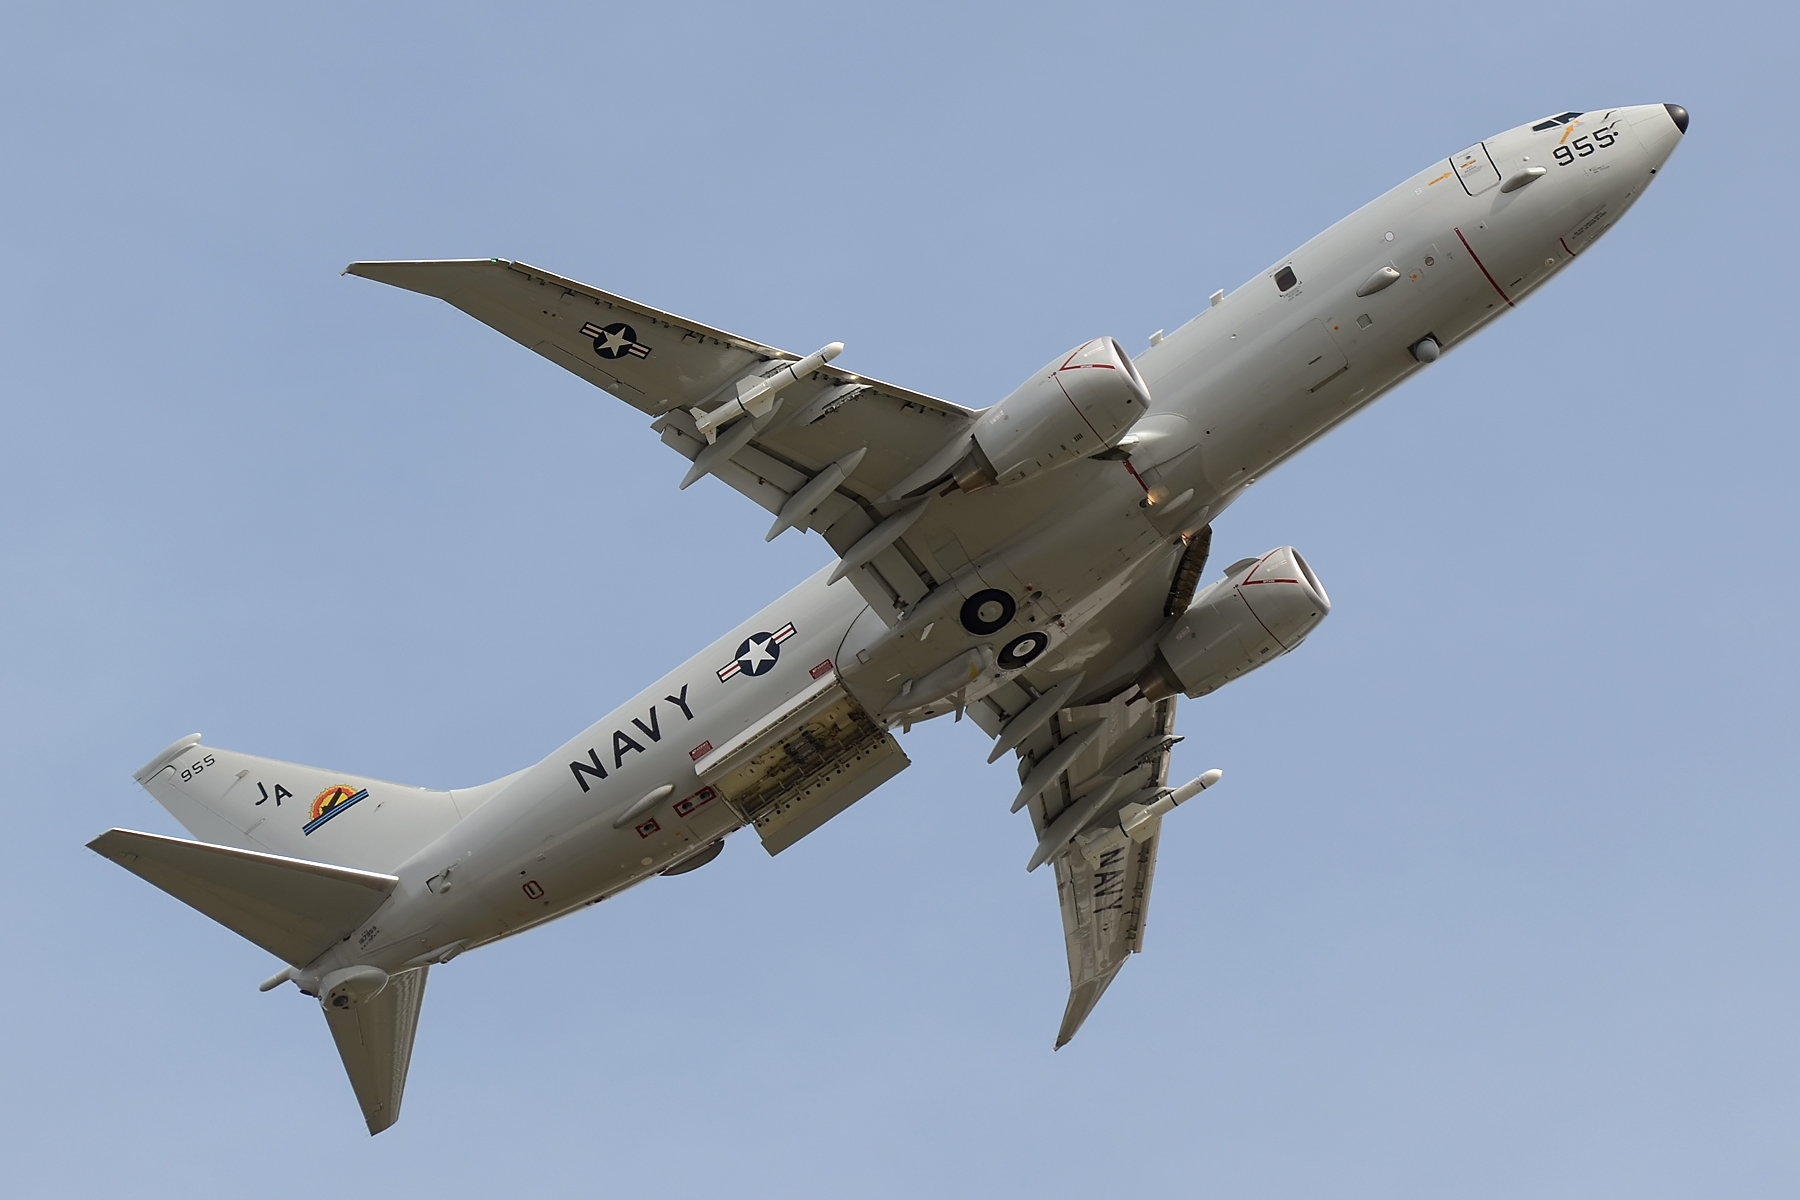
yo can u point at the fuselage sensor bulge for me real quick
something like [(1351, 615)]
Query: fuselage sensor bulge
[(1038, 566)]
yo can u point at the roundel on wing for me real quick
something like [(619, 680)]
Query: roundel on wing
[(615, 340), (758, 654)]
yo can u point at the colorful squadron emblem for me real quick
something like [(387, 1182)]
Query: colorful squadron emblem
[(332, 801)]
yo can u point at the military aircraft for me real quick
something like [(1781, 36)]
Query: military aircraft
[(1035, 565)]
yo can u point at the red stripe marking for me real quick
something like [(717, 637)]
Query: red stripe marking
[(1484, 271), (1073, 354), (1247, 580), (1079, 413)]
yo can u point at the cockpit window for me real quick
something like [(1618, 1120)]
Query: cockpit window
[(1553, 122), (1286, 280)]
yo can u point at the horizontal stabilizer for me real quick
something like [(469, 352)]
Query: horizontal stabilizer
[(292, 908), (375, 1040)]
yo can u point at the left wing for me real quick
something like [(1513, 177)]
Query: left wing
[(884, 440), (1081, 770)]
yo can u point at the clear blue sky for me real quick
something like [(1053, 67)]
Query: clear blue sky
[(1498, 898)]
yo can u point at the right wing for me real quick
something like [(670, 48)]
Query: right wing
[(665, 365), (1121, 756)]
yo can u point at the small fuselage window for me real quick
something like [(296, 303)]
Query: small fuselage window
[(1286, 280)]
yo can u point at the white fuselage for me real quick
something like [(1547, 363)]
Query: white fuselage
[(1237, 390)]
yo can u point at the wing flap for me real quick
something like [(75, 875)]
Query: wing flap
[(573, 364)]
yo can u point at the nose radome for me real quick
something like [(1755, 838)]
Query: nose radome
[(1678, 115)]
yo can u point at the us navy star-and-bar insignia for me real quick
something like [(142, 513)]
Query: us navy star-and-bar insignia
[(758, 654), (615, 340)]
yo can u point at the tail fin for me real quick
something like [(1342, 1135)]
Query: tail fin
[(295, 910), (282, 808), (375, 1040)]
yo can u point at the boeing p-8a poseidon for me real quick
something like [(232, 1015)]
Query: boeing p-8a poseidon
[(1035, 564)]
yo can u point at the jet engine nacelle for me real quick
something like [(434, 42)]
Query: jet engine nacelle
[(1081, 403), (1255, 614)]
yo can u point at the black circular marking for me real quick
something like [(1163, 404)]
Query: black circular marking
[(768, 650), (988, 611), (1024, 648), (618, 329)]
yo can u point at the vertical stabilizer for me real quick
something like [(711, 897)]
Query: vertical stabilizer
[(375, 1040), (262, 804)]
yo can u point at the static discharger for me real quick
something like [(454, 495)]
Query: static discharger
[(756, 395)]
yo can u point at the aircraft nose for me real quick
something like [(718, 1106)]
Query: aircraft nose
[(1678, 115)]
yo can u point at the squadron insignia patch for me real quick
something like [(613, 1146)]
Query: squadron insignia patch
[(330, 802)]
